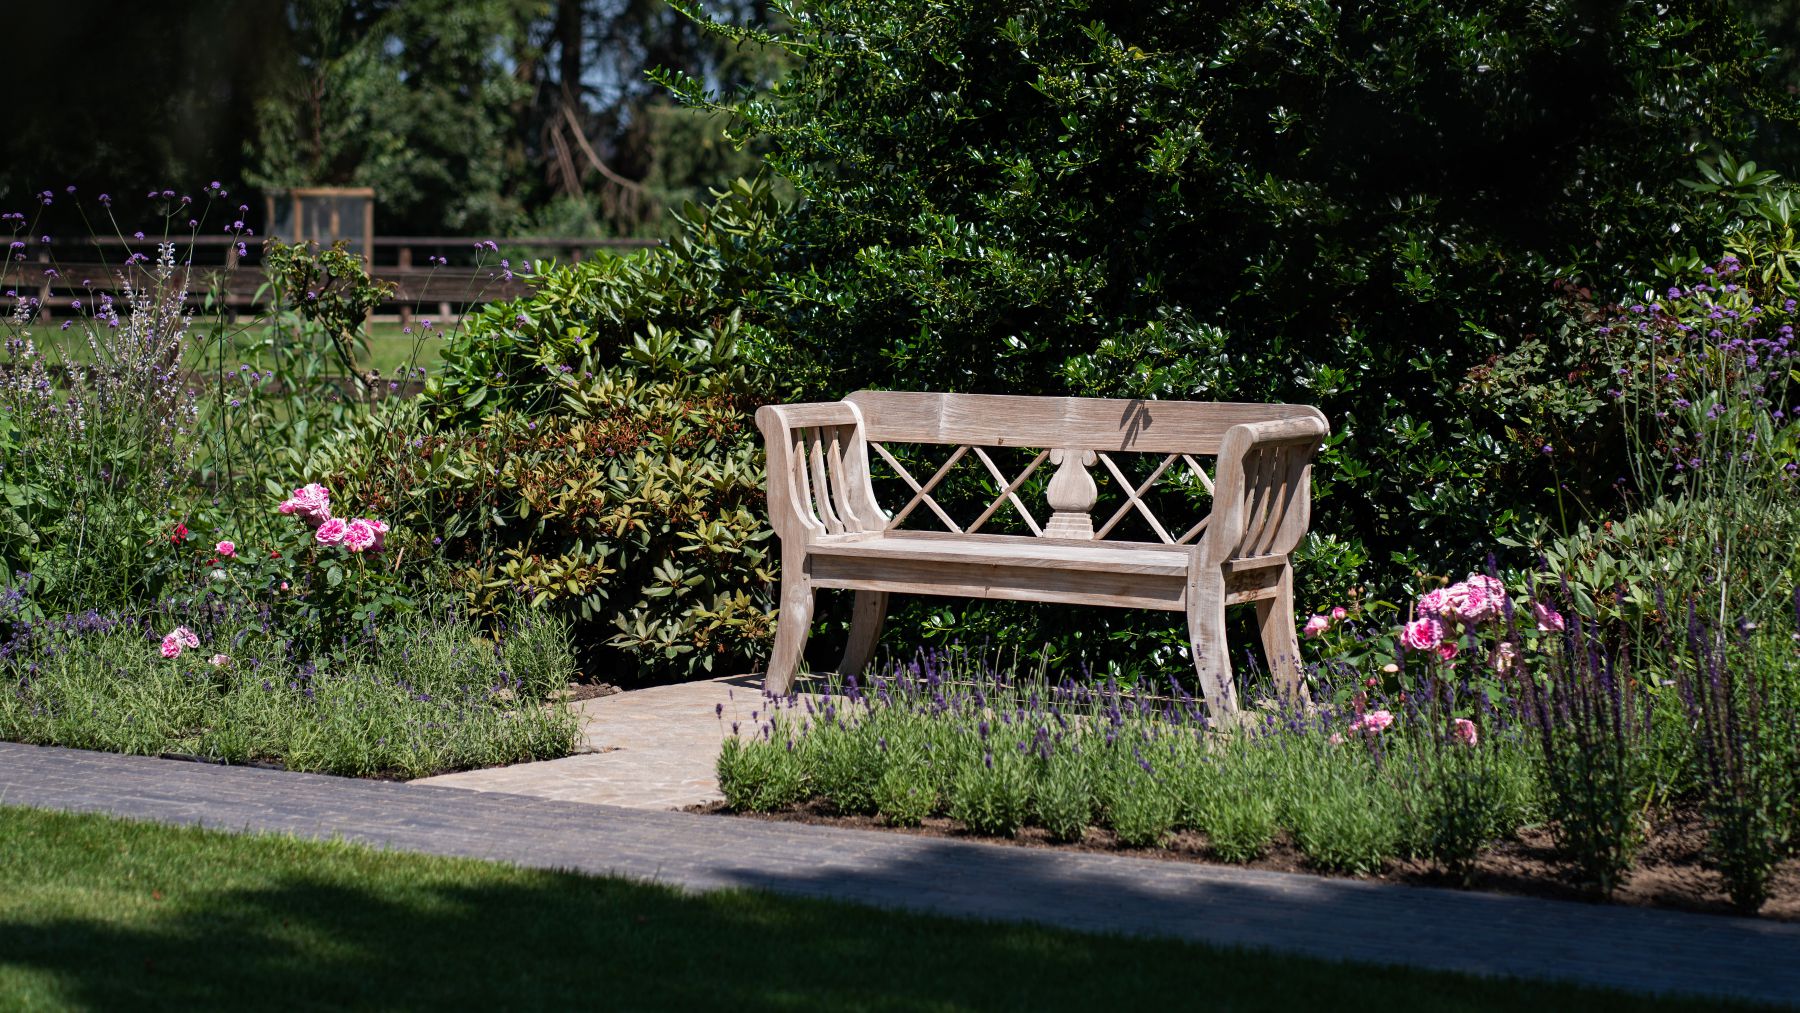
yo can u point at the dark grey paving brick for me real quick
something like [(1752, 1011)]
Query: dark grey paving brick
[(1630, 948)]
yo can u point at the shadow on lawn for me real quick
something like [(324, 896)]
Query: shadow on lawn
[(559, 941), (385, 930)]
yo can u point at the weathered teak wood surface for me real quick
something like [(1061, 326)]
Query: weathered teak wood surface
[(834, 534)]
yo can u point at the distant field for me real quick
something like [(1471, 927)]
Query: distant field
[(389, 346)]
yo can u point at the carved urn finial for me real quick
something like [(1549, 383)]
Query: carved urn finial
[(1072, 494)]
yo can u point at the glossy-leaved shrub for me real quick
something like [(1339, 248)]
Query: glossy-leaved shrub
[(591, 449), (1346, 206)]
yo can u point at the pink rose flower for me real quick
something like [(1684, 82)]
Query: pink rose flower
[(1547, 618), (1336, 739), (1339, 614), (1477, 599), (221, 660), (225, 549), (1372, 723), (1464, 730), (381, 530), (177, 640), (312, 502), (1422, 634), (1316, 626), (1447, 650), (331, 532), (1435, 603), (359, 535)]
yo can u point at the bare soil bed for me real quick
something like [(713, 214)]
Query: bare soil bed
[(1671, 870)]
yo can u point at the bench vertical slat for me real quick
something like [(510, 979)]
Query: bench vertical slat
[(840, 489), (821, 481), (1268, 479), (801, 479)]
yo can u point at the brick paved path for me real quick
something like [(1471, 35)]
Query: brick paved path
[(1344, 919), (659, 747)]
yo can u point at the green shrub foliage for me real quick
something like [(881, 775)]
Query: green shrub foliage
[(591, 449), (1251, 200)]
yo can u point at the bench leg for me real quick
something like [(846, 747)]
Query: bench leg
[(1281, 648), (866, 620), (1206, 640), (791, 627)]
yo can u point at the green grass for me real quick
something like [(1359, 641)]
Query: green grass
[(97, 912), (389, 347)]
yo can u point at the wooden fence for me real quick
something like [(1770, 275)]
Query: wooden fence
[(59, 278)]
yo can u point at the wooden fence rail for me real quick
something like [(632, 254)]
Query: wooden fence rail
[(59, 284)]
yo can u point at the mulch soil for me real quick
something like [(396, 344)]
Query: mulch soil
[(579, 691), (1671, 869)]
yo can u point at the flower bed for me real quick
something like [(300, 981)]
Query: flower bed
[(1480, 750), (424, 694)]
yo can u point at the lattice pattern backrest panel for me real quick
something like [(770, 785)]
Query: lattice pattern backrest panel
[(1047, 492)]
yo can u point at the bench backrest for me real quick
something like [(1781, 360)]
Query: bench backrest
[(820, 463), (1098, 424)]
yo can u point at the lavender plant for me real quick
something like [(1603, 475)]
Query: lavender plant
[(1592, 721), (1063, 801), (101, 449), (1237, 804), (904, 793), (994, 750), (1740, 692), (426, 696)]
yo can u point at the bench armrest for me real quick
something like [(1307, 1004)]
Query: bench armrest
[(1262, 493), (818, 471)]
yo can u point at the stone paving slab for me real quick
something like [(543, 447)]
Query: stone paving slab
[(1628, 948), (650, 749)]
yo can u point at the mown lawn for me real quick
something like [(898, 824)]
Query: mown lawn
[(103, 913), (389, 347)]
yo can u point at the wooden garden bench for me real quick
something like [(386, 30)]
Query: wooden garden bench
[(835, 535)]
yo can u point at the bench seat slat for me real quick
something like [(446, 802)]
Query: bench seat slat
[(1015, 550)]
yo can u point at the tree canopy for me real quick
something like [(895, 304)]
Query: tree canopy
[(466, 116)]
